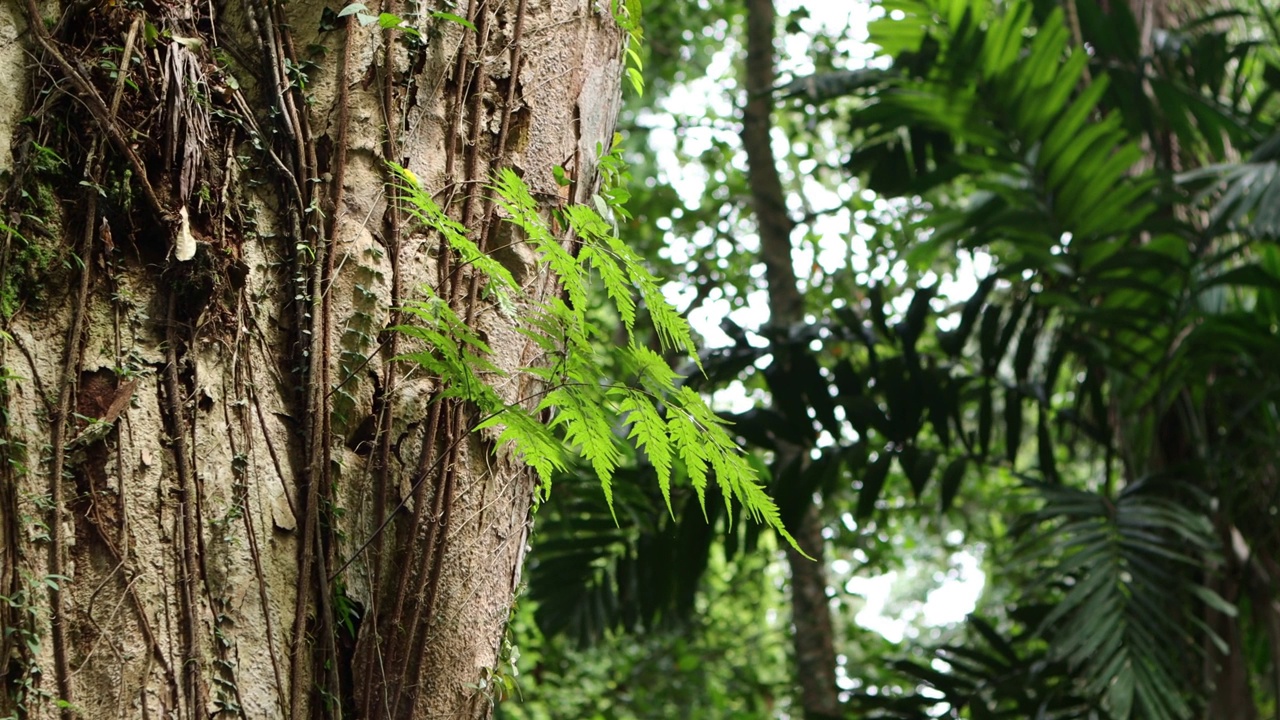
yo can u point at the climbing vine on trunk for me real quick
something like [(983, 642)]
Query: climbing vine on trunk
[(276, 407)]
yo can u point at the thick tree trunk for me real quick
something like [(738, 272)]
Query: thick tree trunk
[(220, 495)]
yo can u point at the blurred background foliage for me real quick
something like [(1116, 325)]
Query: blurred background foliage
[(1036, 380)]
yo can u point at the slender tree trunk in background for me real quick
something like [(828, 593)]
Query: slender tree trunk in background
[(218, 494), (1228, 673), (1243, 576), (811, 616), (814, 640)]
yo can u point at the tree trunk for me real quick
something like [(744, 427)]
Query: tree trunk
[(221, 496), (813, 634)]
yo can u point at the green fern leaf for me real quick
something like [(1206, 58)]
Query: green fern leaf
[(589, 406), (615, 284), (523, 211), (532, 441), (426, 211), (687, 439), (650, 433), (588, 429)]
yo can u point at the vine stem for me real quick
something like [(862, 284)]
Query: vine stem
[(58, 425), (193, 664), (427, 561), (104, 117), (72, 352), (385, 409)]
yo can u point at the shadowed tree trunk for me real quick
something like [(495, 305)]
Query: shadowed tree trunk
[(814, 642), (220, 496), (1244, 575)]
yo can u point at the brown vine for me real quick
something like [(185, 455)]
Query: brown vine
[(410, 652), (311, 327), (408, 649), (385, 407), (104, 116), (188, 494), (243, 373)]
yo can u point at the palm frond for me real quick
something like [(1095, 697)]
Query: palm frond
[(1125, 592)]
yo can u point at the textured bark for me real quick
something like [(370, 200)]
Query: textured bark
[(768, 202), (219, 493), (813, 638)]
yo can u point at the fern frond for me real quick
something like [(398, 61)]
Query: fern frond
[(615, 284), (673, 329), (426, 211), (588, 429), (532, 441), (589, 406), (650, 433), (651, 370), (523, 211)]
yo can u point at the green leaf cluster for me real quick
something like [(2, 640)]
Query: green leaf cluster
[(596, 402)]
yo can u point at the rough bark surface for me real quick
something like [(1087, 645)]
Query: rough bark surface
[(219, 494)]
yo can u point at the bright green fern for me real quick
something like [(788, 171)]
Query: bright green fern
[(590, 397)]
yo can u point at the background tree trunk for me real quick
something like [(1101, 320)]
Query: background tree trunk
[(219, 494), (813, 634)]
